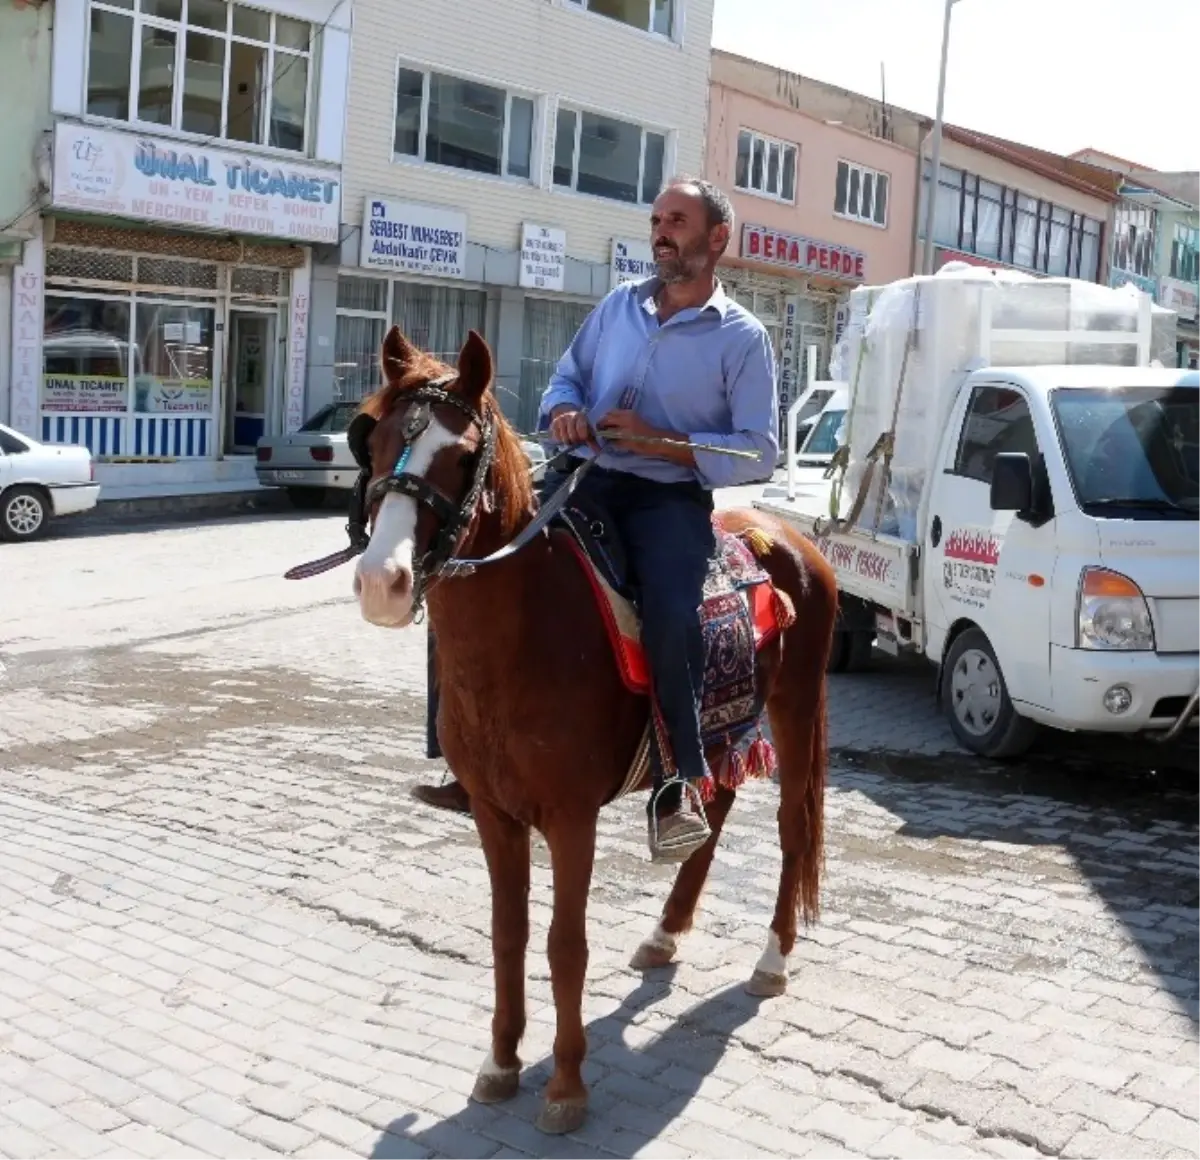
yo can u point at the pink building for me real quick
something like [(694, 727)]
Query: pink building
[(820, 207)]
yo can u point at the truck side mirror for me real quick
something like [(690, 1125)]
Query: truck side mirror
[(1012, 482)]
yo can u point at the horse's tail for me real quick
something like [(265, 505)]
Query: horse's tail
[(797, 701)]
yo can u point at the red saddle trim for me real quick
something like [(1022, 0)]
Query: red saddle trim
[(770, 614)]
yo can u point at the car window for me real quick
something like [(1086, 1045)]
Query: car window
[(11, 445), (998, 420), (332, 419)]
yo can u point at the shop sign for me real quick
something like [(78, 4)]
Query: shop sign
[(96, 394), (297, 346), (1180, 297), (173, 396), (543, 258), (27, 321), (841, 315), (788, 362), (811, 255), (134, 176), (419, 239), (632, 261)]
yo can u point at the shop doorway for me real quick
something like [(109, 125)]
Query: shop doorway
[(249, 383)]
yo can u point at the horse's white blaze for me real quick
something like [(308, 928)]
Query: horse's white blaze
[(492, 1069), (773, 961), (389, 556)]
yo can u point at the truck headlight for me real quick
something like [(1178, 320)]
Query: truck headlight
[(1113, 613)]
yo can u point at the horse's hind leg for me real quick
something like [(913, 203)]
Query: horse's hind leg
[(680, 908), (797, 712), (506, 847), (572, 852)]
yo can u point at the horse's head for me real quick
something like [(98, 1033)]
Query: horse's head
[(435, 447)]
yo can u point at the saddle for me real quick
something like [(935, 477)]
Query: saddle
[(741, 612)]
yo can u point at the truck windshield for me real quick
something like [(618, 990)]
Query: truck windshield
[(1132, 452), (823, 440)]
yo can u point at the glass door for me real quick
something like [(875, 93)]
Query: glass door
[(248, 384)]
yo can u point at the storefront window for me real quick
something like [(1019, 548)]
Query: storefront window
[(175, 349), (86, 356), (437, 318), (434, 318), (550, 326)]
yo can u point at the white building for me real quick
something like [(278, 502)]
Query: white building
[(162, 312), (501, 156)]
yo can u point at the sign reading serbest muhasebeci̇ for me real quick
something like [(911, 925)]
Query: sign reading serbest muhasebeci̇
[(420, 239), (632, 260)]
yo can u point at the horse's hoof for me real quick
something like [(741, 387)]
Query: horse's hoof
[(558, 1117), (649, 956), (764, 985), (495, 1087)]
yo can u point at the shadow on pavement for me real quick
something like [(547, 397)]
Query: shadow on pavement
[(625, 1112), (1125, 812)]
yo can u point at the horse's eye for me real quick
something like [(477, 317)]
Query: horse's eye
[(464, 460)]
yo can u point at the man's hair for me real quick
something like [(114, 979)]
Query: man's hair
[(716, 204)]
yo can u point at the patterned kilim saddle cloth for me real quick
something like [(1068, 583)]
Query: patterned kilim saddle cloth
[(742, 612)]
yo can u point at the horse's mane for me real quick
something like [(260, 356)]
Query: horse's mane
[(509, 472)]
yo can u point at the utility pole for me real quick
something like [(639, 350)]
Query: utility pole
[(936, 158)]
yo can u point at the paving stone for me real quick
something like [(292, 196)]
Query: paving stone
[(228, 932)]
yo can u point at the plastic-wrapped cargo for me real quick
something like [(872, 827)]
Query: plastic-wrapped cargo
[(954, 320)]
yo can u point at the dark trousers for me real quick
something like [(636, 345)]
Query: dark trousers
[(667, 535)]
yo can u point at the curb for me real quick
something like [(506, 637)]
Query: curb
[(211, 503)]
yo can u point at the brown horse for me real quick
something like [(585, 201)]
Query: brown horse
[(534, 720)]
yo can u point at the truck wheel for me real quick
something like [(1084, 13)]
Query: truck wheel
[(976, 702), (24, 514), (851, 651)]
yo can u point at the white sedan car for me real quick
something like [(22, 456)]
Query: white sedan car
[(315, 461), (39, 481)]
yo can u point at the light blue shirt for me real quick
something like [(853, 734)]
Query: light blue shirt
[(707, 373)]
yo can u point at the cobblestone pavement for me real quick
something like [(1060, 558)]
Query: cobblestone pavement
[(226, 932)]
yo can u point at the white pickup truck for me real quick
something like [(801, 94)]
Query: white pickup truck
[(1041, 541)]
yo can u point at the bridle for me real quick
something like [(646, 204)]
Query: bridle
[(452, 518), (440, 560)]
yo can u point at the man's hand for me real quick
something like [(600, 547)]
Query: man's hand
[(571, 427), (622, 422)]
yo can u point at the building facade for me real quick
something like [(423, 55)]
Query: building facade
[(1156, 241), (25, 39), (822, 206), (1004, 204), (500, 167), (164, 313)]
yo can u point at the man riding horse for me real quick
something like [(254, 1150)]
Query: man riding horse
[(673, 358)]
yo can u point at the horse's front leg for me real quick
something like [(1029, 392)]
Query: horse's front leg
[(572, 851), (506, 847), (660, 948)]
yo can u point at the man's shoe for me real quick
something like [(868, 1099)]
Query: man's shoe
[(677, 836), (450, 796)]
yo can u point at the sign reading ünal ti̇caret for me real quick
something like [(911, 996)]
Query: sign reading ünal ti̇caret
[(135, 176)]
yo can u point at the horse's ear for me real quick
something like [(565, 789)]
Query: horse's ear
[(397, 355), (474, 366)]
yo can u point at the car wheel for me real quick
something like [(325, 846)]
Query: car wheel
[(307, 499), (24, 514), (976, 702)]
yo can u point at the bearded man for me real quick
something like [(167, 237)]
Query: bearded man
[(668, 358)]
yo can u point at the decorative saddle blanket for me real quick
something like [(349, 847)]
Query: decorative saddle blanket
[(741, 612)]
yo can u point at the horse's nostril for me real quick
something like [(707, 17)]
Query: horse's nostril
[(357, 585), (402, 583)]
